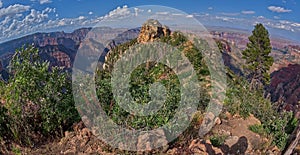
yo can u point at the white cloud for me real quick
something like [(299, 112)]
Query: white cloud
[(21, 24), (278, 9), (137, 11), (226, 19), (45, 1), (119, 12), (17, 22), (61, 22), (189, 16), (239, 22), (162, 13), (90, 13), (248, 12), (284, 22), (35, 16), (42, 1), (260, 17), (210, 8), (277, 24), (81, 17), (177, 14), (296, 24), (6, 21), (1, 4), (276, 17), (13, 9), (49, 10), (230, 14)]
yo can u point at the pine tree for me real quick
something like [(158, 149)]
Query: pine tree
[(256, 54)]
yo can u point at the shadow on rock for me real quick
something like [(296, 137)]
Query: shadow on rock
[(239, 148)]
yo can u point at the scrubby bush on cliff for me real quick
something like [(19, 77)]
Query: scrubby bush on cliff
[(239, 100), (4, 119), (142, 78), (37, 97), (245, 98)]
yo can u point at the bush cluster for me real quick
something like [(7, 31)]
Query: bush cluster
[(36, 100), (275, 125), (141, 79)]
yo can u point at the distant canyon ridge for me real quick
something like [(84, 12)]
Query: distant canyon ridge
[(60, 49)]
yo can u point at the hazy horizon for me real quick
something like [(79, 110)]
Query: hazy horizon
[(19, 19)]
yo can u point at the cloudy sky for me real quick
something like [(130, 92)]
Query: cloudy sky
[(22, 17)]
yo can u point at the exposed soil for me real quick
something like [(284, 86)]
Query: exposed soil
[(239, 140)]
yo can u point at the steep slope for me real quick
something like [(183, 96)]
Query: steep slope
[(60, 48), (69, 40), (285, 87), (57, 47)]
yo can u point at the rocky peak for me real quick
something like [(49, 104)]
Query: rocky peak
[(152, 30)]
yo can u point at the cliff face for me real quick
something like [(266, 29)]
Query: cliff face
[(60, 48), (231, 55), (44, 39), (57, 47), (285, 87), (1, 67)]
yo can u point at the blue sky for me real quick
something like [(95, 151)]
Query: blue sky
[(21, 17)]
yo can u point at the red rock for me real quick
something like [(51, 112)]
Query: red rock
[(284, 86)]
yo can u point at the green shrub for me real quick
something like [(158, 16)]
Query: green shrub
[(239, 100), (257, 128), (139, 88), (4, 120), (37, 97), (217, 140), (291, 125), (16, 151), (141, 79), (279, 128)]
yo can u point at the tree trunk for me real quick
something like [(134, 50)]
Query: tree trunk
[(295, 137), (255, 84)]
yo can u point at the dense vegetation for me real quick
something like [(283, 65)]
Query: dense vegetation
[(36, 101), (275, 125), (247, 98), (142, 78)]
